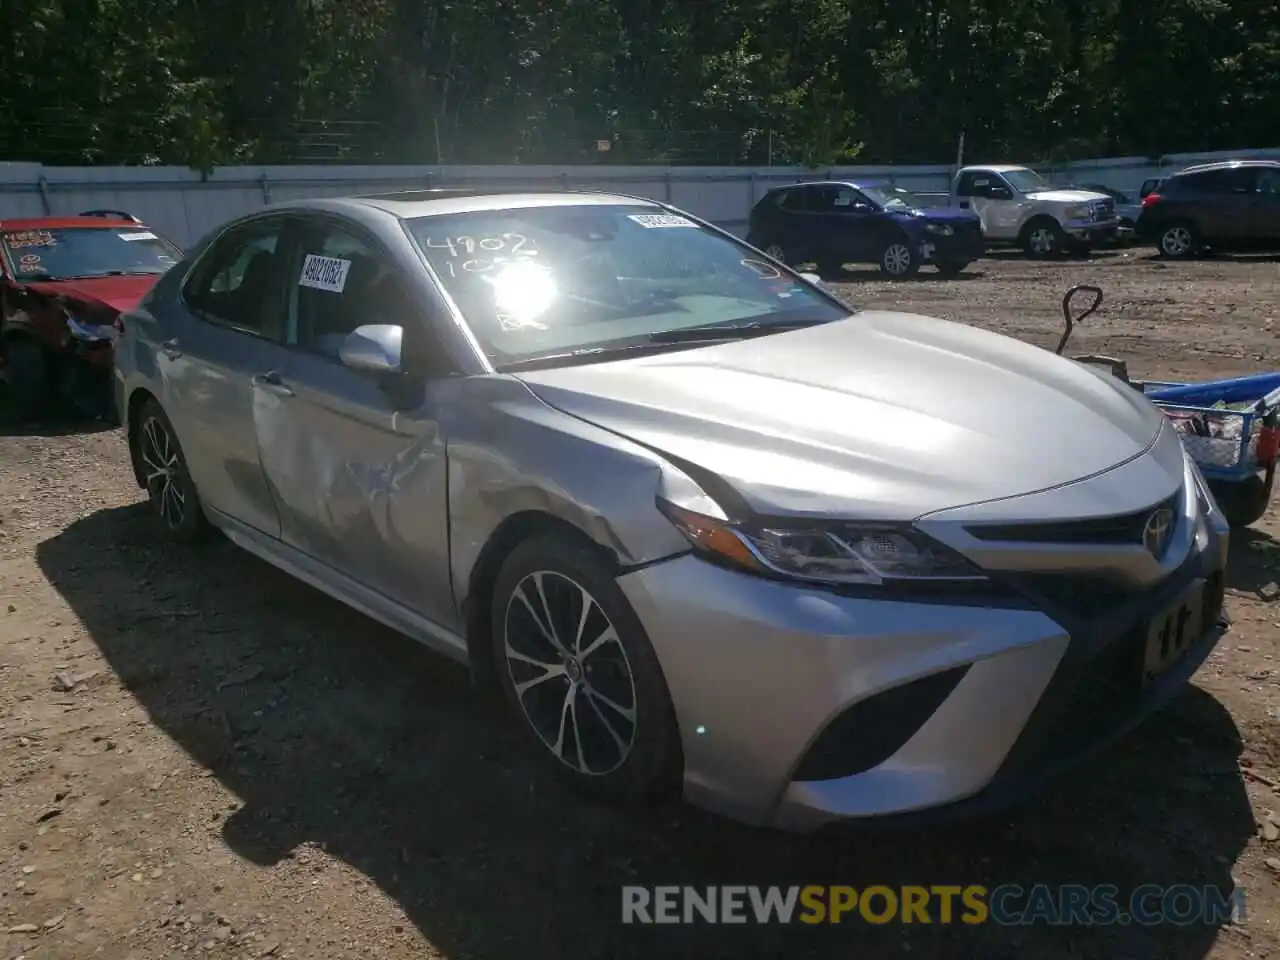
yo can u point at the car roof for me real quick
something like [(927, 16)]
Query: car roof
[(855, 184), (412, 204), (994, 167), (1227, 165), (62, 223)]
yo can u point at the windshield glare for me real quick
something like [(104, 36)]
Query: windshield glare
[(1026, 181), (541, 281), (893, 198), (64, 253)]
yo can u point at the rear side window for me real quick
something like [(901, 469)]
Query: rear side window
[(1212, 181), (793, 201), (237, 282)]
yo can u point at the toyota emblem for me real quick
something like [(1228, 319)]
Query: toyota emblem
[(1156, 534)]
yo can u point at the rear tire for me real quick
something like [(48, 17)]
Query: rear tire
[(1243, 504), (29, 378), (775, 251), (168, 483), (1179, 240), (602, 719)]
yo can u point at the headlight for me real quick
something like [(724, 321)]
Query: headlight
[(1203, 495), (90, 332), (826, 552), (1079, 211), (941, 229)]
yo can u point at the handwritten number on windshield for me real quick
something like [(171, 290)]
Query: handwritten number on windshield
[(513, 243)]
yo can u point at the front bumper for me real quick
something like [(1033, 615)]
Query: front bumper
[(766, 675), (963, 246), (1094, 231)]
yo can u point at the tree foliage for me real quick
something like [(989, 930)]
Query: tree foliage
[(204, 82)]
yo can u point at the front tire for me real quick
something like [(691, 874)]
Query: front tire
[(168, 483), (579, 674), (29, 378), (898, 260), (1043, 238)]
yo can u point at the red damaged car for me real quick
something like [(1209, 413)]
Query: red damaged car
[(64, 281)]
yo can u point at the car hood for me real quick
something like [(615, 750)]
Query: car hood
[(116, 293), (879, 416), (1067, 196), (945, 215)]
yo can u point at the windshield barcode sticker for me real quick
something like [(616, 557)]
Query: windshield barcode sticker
[(145, 235), (324, 273), (652, 220)]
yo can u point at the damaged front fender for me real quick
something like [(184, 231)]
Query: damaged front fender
[(510, 453)]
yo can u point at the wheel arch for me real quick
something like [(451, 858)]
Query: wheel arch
[(133, 411), (516, 529), (1035, 220)]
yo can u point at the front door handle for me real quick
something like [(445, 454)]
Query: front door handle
[(272, 383), (170, 349)]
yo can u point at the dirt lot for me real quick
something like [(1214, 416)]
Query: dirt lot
[(199, 755)]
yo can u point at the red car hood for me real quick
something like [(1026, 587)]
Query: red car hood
[(118, 293)]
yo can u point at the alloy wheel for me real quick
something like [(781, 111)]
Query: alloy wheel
[(1176, 241), (897, 259), (776, 251), (570, 673), (163, 473)]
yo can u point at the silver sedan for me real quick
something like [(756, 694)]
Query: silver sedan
[(711, 532)]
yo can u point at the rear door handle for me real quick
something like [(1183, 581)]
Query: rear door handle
[(170, 349), (272, 383)]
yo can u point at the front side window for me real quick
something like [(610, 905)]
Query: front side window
[(343, 282), (72, 253), (547, 280), (893, 198), (1026, 181)]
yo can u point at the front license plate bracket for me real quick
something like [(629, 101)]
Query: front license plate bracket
[(1171, 633)]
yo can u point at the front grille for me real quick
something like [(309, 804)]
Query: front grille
[(1116, 530), (1102, 690)]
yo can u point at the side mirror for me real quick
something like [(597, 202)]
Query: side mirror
[(1000, 193), (863, 208), (376, 347)]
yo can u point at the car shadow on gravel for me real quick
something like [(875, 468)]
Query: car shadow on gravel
[(336, 732)]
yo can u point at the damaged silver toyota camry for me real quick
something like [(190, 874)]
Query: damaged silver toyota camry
[(709, 531)]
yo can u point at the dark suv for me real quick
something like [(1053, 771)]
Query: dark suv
[(1230, 205), (831, 224)]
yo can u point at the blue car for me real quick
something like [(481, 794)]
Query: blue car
[(831, 224)]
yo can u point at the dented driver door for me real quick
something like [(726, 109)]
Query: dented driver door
[(358, 473)]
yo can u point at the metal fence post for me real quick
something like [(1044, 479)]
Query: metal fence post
[(43, 186)]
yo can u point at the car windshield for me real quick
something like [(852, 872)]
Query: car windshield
[(893, 198), (544, 281), (65, 253), (1026, 181)]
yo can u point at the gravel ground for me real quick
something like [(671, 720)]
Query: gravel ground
[(199, 755)]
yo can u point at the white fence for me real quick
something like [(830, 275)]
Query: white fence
[(184, 205)]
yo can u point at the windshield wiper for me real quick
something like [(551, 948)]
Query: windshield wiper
[(732, 331)]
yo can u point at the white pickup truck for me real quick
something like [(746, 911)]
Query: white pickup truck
[(1018, 207)]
